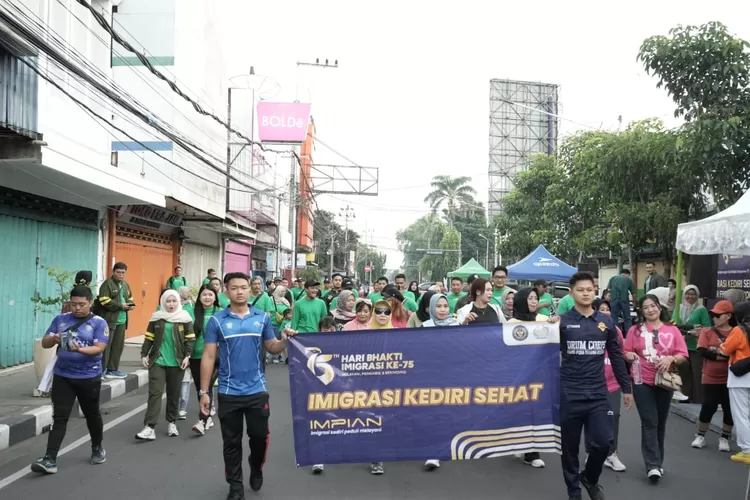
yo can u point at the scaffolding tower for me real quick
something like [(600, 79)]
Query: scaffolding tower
[(523, 121)]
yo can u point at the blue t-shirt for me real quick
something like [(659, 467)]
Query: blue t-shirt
[(73, 364), (583, 342), (239, 344)]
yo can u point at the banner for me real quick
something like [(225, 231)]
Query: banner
[(425, 393), (733, 272)]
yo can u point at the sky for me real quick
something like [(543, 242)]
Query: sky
[(411, 91)]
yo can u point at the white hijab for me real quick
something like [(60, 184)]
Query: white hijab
[(178, 316)]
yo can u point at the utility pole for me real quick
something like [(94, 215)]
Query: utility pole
[(459, 250), (496, 247), (316, 64), (330, 253), (347, 213), (294, 202), (487, 253)]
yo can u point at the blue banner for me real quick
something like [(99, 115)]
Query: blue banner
[(457, 393)]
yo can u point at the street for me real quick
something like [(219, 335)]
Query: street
[(188, 467)]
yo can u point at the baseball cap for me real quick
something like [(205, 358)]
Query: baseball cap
[(540, 282), (347, 283), (277, 280), (311, 283), (723, 307), (471, 278), (326, 280)]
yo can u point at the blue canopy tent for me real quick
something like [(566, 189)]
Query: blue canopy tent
[(540, 264)]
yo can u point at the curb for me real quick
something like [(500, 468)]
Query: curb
[(679, 410), (38, 421)]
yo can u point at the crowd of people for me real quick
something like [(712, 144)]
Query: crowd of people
[(235, 327)]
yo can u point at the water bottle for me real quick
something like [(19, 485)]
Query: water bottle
[(637, 376)]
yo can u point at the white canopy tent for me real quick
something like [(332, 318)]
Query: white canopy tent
[(727, 232)]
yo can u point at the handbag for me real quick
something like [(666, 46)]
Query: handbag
[(279, 317), (671, 380)]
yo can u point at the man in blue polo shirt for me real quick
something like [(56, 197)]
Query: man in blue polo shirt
[(238, 332), (585, 335)]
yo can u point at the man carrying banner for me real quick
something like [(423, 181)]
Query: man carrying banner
[(585, 334), (237, 333)]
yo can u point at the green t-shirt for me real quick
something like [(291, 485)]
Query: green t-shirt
[(223, 300), (122, 318), (410, 304), (206, 281), (546, 311), (298, 293), (280, 308), (200, 341), (374, 297), (453, 299), (410, 294), (176, 282), (307, 313), (166, 353), (497, 296), (265, 302), (566, 304), (699, 317)]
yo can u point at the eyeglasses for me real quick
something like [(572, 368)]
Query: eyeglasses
[(385, 311), (500, 277)]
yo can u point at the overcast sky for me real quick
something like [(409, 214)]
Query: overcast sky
[(411, 94)]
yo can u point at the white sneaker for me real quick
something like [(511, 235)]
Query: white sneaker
[(724, 445), (213, 411), (613, 462), (147, 434), (654, 475), (182, 415), (200, 428), (209, 423), (172, 430), (699, 441), (432, 464), (317, 469), (678, 396)]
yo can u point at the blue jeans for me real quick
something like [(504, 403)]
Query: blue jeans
[(621, 308)]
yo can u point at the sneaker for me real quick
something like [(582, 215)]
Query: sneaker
[(147, 434), (116, 374), (654, 475), (678, 396), (741, 457), (537, 463), (595, 491), (724, 445), (213, 411), (236, 495), (275, 361), (98, 455), (699, 441), (200, 428), (172, 430), (613, 462), (45, 465), (376, 469), (317, 469), (256, 480), (432, 464), (182, 415), (209, 423)]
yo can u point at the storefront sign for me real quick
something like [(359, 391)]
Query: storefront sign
[(733, 272), (283, 122), (149, 217)]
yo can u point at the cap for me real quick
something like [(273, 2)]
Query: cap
[(277, 280), (471, 278), (540, 282), (326, 280), (311, 283), (723, 307), (347, 284), (298, 280)]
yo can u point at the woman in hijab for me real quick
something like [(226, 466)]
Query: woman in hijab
[(735, 296), (344, 311), (381, 315), (185, 298), (166, 353), (507, 302), (417, 319), (693, 318), (363, 310)]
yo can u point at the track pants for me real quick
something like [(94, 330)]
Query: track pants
[(593, 415), (64, 393), (740, 397), (234, 412)]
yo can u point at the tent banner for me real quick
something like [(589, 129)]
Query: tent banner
[(450, 393), (733, 272)]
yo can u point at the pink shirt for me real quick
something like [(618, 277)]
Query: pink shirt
[(671, 343), (609, 374), (355, 325)]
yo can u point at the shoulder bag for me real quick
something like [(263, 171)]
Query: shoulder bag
[(670, 380), (279, 317)]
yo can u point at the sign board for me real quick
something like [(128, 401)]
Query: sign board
[(149, 217), (283, 122), (733, 271), (368, 269)]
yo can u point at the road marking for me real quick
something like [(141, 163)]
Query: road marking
[(75, 444)]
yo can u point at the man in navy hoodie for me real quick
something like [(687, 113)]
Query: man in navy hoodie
[(585, 335)]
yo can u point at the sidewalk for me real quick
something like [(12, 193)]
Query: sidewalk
[(23, 416), (691, 412)]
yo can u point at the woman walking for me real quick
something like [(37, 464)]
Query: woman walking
[(166, 353), (363, 310), (207, 306), (344, 311), (80, 338), (655, 348), (480, 310), (737, 347), (417, 319), (507, 301), (381, 320)]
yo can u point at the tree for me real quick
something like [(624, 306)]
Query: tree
[(451, 192), (369, 256), (706, 71), (425, 232), (472, 224), (327, 231)]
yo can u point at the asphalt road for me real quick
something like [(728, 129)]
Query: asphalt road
[(190, 467)]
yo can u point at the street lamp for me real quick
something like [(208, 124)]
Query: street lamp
[(487, 253)]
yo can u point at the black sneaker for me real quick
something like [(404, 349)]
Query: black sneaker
[(236, 495), (595, 491), (98, 455), (256, 480), (45, 465)]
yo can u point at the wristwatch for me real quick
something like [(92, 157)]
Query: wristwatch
[(202, 393)]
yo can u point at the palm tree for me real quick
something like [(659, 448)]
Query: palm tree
[(451, 191)]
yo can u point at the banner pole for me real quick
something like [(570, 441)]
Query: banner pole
[(678, 296)]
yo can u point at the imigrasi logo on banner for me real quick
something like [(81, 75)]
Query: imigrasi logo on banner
[(357, 425), (327, 366)]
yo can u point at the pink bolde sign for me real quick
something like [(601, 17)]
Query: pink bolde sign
[(283, 122)]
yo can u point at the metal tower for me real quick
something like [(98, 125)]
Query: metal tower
[(523, 121)]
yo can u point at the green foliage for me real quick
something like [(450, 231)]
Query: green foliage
[(64, 281), (451, 192), (310, 273), (471, 222), (367, 255), (425, 232), (327, 230)]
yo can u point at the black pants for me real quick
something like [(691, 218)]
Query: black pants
[(195, 371), (713, 396), (594, 416), (234, 411), (64, 393), (691, 373), (653, 405)]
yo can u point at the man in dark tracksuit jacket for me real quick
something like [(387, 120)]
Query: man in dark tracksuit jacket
[(114, 301), (585, 335)]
